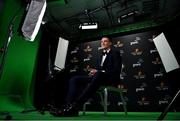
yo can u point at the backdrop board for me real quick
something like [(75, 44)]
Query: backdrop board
[(142, 76)]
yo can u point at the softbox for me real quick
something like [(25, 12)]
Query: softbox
[(33, 19)]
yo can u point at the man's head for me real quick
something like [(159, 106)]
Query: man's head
[(106, 43)]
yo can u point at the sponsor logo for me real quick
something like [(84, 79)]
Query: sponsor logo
[(151, 39), (88, 48), (159, 74), (74, 69), (74, 60), (122, 87), (143, 101), (153, 51), (137, 51), (136, 41), (120, 103), (88, 57), (121, 52), (119, 44), (157, 61), (75, 50), (139, 75), (164, 100), (139, 63), (141, 88), (87, 68), (162, 86)]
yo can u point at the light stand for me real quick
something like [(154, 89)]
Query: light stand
[(163, 114), (5, 48)]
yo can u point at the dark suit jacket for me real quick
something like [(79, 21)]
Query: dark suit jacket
[(112, 65)]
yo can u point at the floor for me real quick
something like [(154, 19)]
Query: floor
[(150, 116)]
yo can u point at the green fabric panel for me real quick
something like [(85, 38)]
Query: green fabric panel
[(17, 79), (56, 2)]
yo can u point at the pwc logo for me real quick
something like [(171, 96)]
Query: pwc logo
[(153, 51), (138, 63), (164, 100), (74, 69), (141, 88), (88, 58), (76, 49), (136, 41), (159, 74)]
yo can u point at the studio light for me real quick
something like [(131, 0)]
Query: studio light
[(88, 26), (33, 19)]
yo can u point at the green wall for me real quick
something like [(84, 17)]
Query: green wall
[(17, 80)]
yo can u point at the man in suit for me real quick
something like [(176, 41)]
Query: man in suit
[(81, 88)]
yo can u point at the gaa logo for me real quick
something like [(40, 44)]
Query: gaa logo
[(139, 75), (143, 101), (157, 61), (88, 48), (137, 51), (87, 68), (119, 44), (74, 60), (122, 87), (162, 86)]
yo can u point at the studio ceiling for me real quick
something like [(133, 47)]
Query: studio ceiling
[(64, 16)]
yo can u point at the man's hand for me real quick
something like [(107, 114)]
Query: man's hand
[(92, 72)]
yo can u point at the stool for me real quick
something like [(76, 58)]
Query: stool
[(103, 92)]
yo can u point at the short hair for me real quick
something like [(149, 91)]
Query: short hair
[(110, 39)]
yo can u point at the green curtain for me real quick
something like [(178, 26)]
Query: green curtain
[(17, 79)]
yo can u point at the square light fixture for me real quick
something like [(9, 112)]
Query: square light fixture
[(33, 19), (89, 25)]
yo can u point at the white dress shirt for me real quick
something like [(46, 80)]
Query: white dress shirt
[(104, 56)]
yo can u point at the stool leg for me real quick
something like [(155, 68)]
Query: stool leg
[(84, 109), (124, 103), (105, 100)]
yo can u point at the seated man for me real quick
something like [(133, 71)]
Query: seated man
[(81, 88)]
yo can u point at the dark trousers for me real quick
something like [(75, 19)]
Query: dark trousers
[(81, 88)]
